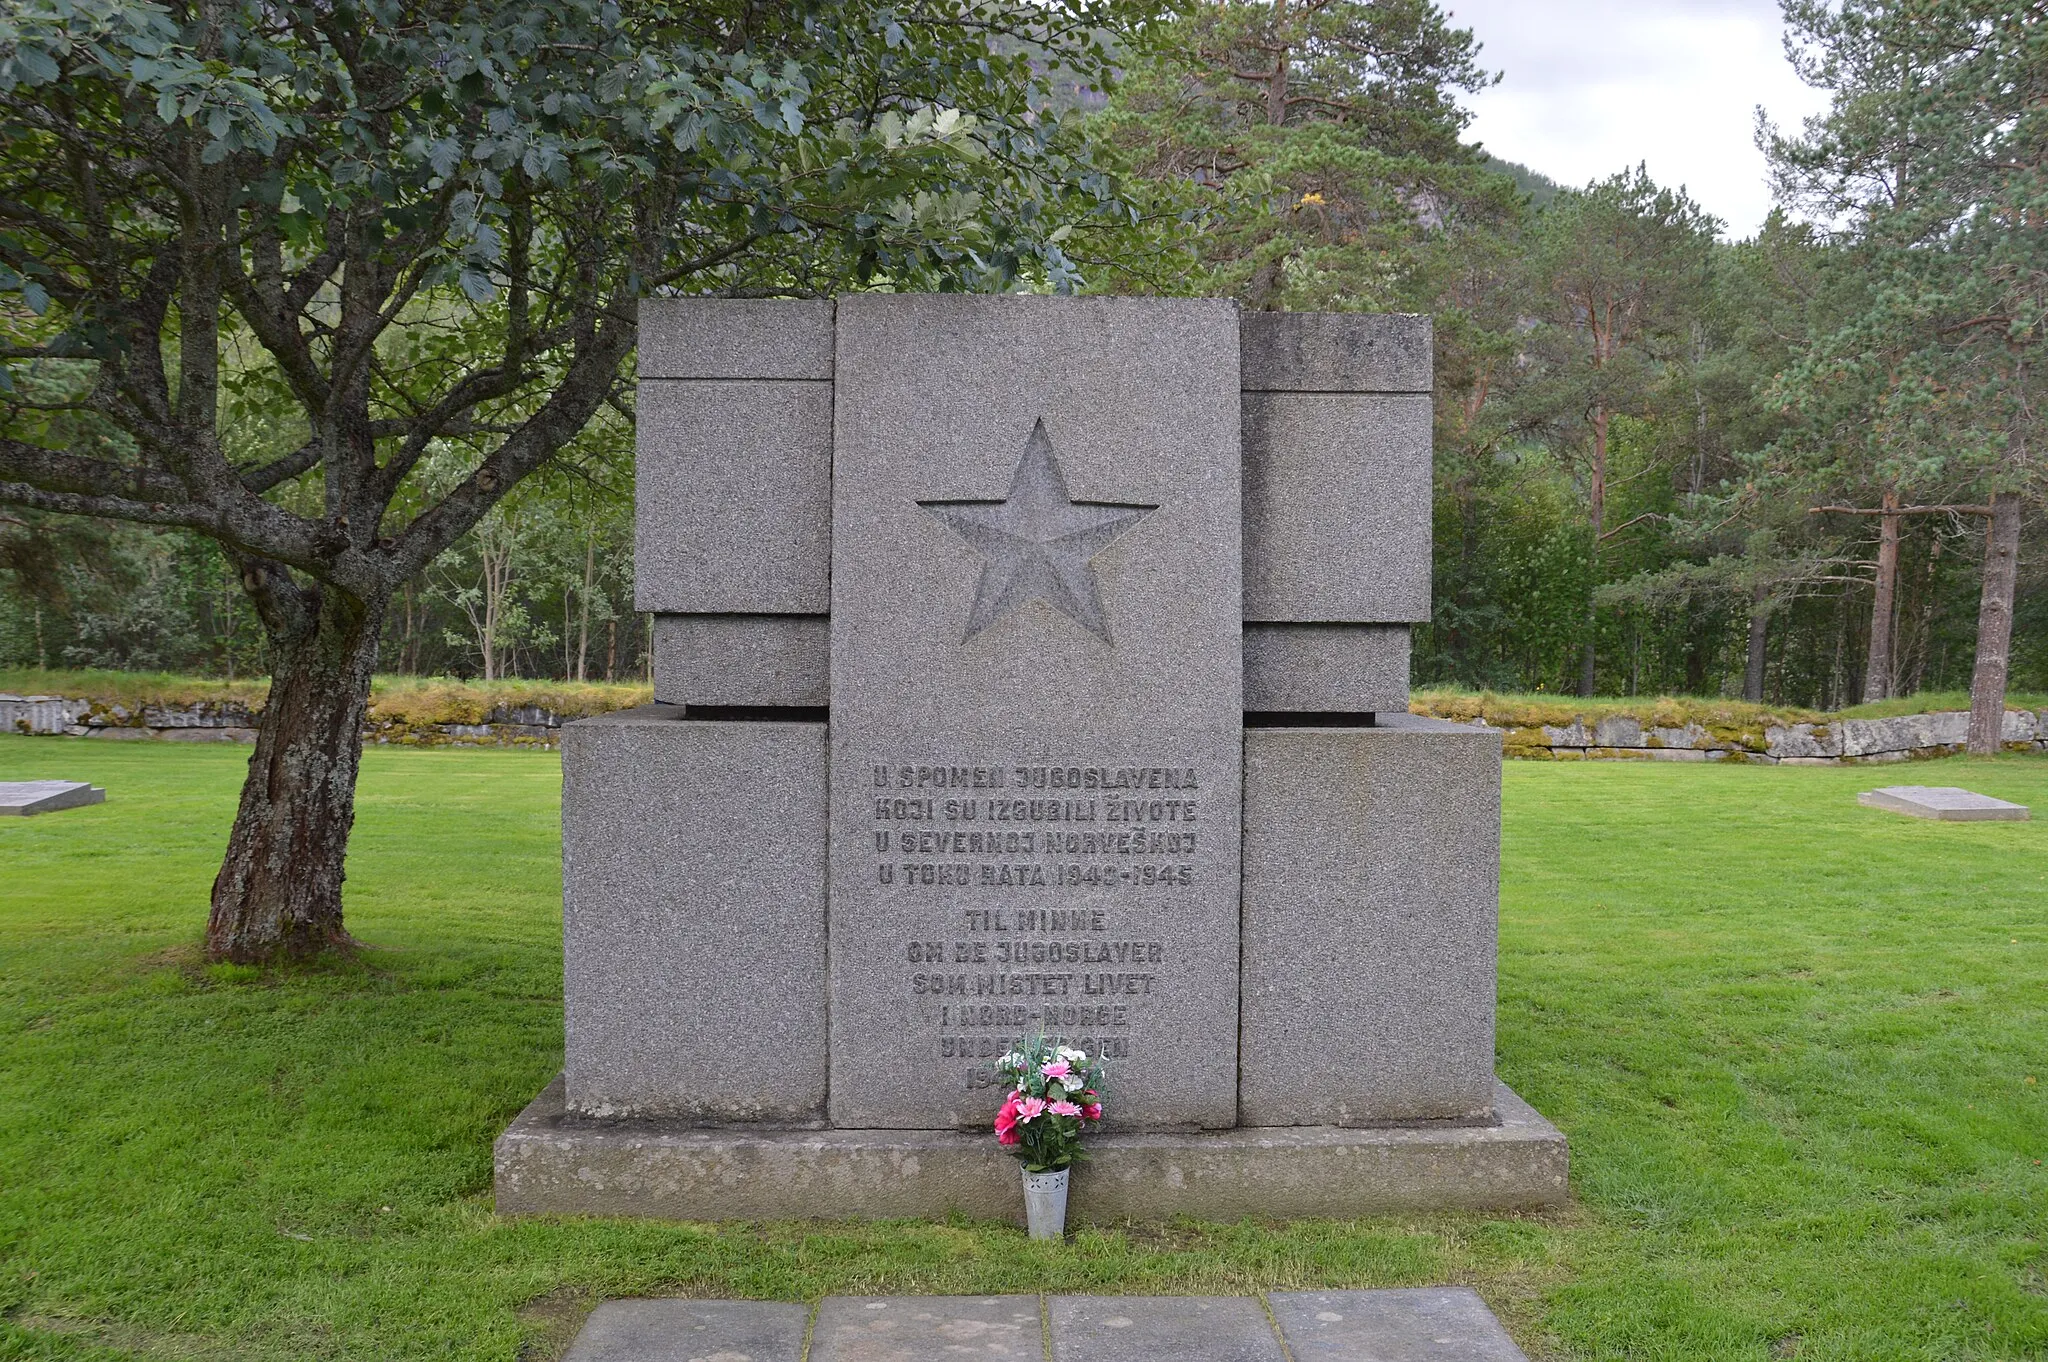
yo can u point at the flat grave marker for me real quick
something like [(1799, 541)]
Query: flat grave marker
[(1943, 803), (19, 798)]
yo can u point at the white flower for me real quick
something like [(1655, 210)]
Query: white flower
[(1012, 1060), (1072, 1056)]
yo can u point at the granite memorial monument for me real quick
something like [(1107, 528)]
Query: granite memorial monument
[(1029, 663)]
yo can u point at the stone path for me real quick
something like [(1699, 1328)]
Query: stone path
[(1429, 1324)]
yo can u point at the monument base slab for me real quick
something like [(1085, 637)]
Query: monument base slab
[(550, 1163)]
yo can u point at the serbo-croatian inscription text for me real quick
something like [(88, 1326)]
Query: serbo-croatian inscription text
[(985, 975)]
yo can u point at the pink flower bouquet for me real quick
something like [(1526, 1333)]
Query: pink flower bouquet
[(1057, 1095)]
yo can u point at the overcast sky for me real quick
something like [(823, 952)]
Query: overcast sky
[(1591, 87)]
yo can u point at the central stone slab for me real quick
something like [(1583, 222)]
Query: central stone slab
[(1036, 702)]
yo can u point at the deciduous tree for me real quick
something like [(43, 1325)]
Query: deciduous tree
[(427, 224)]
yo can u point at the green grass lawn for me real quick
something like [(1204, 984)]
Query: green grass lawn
[(1799, 1046)]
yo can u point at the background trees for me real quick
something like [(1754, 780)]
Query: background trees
[(1931, 167), (213, 441)]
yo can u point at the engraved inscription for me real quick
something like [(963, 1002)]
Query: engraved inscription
[(1037, 543), (1022, 959)]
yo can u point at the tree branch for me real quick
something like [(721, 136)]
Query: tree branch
[(262, 477), (1898, 510), (48, 470)]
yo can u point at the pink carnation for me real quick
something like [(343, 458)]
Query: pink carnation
[(1006, 1122), (1030, 1109), (1092, 1112), (1064, 1109), (1057, 1069)]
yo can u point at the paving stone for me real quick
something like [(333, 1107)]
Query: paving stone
[(1036, 673), (927, 1329), (1944, 803), (1168, 1328), (1426, 1324), (692, 1331), (23, 797)]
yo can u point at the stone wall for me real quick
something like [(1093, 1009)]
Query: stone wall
[(66, 716), (1833, 742), (1614, 738)]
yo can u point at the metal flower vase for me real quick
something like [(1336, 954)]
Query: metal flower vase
[(1045, 1203)]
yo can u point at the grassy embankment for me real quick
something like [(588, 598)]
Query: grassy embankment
[(1800, 1048), (412, 700), (440, 699)]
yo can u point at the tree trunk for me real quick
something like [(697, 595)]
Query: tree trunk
[(1877, 665), (1701, 645), (405, 650), (488, 635), (583, 605), (1994, 626), (1923, 643), (278, 894), (1276, 83), (1759, 635), (1596, 497)]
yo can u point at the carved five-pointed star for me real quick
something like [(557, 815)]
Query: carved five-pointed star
[(1038, 542)]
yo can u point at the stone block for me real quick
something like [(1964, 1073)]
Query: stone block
[(736, 338), (780, 660), (692, 1331), (1618, 730), (1037, 685), (927, 1329), (1336, 508), (1419, 1324), (1371, 873), (552, 1163), (1804, 743), (1326, 668), (1943, 803), (733, 495), (42, 714), (1337, 352), (1573, 734), (20, 798), (693, 917), (1179, 1328)]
